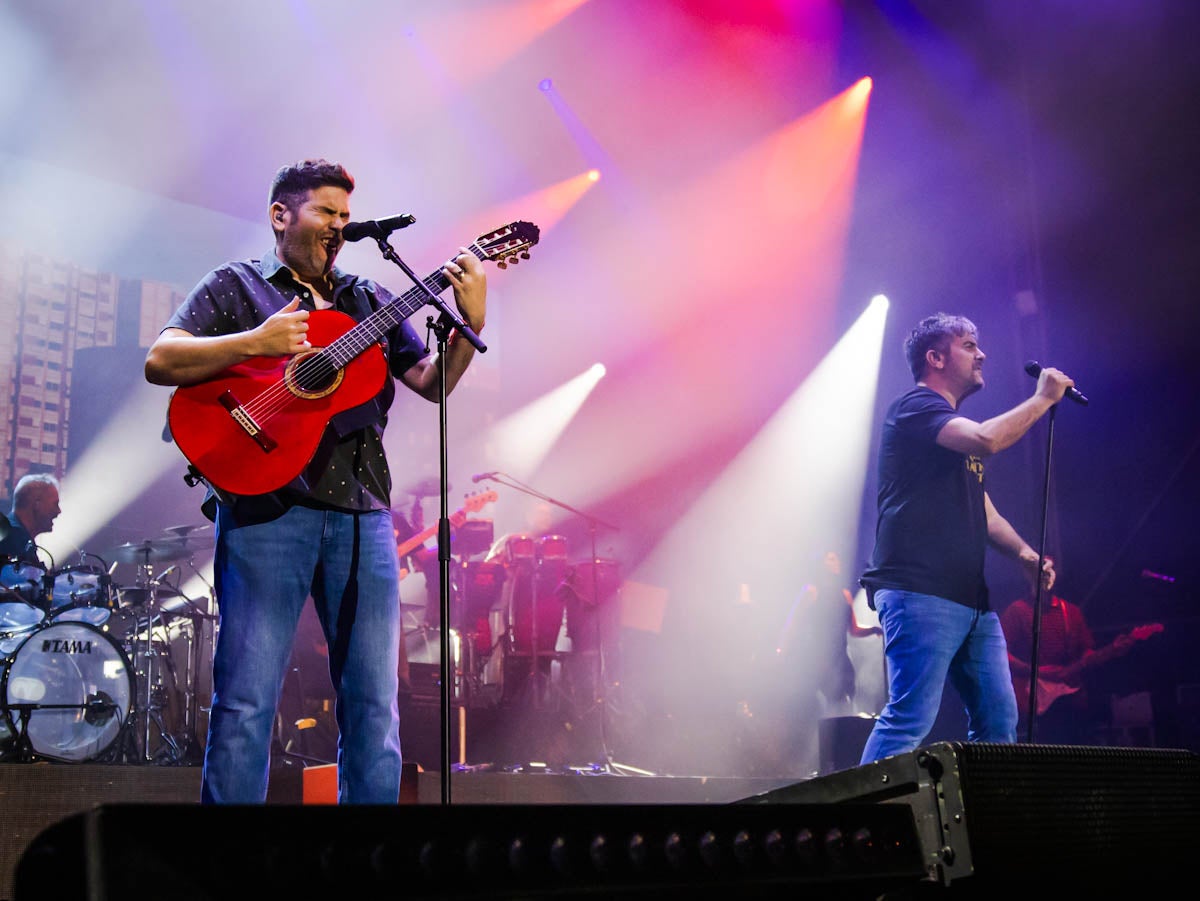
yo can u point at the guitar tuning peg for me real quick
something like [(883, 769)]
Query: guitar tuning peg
[(513, 260), (500, 264), (524, 254)]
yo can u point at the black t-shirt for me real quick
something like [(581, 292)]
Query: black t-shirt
[(931, 536)]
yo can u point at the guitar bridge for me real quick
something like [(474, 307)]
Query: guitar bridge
[(246, 421)]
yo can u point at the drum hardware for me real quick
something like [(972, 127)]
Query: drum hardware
[(97, 708), (152, 614), (149, 642), (73, 647), (597, 593)]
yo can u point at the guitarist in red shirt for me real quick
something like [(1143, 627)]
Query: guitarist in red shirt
[(1066, 650), (328, 530)]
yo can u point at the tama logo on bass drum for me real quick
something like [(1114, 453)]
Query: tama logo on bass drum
[(66, 646)]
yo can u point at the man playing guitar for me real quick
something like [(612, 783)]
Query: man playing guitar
[(328, 531), (1066, 651)]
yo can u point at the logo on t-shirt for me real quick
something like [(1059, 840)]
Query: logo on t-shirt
[(975, 465)]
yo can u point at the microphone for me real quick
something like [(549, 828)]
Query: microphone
[(1035, 369), (99, 707), (479, 477), (1161, 577), (376, 228)]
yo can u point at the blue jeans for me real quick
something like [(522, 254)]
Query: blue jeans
[(926, 639), (264, 574)]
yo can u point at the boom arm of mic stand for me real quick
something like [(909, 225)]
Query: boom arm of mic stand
[(448, 314)]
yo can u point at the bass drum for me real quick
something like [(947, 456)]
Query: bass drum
[(76, 684)]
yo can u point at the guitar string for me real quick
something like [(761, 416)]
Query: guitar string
[(270, 401), (345, 347), (277, 396)]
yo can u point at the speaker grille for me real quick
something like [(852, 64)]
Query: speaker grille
[(1086, 809)]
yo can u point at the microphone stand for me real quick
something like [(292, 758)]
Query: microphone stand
[(448, 320), (600, 677), (1030, 725)]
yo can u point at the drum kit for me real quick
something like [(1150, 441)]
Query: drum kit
[(517, 617), (95, 671)]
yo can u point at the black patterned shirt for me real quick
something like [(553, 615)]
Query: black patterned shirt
[(350, 469)]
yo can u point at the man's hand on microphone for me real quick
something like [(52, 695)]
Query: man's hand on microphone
[(1053, 383)]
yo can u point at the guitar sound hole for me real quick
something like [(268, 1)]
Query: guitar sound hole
[(316, 375), (312, 375)]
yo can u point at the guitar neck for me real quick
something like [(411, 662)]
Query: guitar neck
[(416, 541), (387, 317)]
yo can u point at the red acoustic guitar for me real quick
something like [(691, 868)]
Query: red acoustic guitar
[(254, 427)]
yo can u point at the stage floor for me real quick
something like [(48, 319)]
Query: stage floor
[(35, 796)]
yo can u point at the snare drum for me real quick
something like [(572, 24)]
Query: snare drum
[(76, 687)]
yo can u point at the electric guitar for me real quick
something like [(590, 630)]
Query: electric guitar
[(1069, 678), (254, 427), (474, 503)]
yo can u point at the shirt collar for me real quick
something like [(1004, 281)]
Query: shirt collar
[(270, 265)]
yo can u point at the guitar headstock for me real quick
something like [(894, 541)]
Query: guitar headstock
[(1141, 633), (476, 502), (508, 244)]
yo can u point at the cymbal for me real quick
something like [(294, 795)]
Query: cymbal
[(184, 530), (429, 487), (152, 550)]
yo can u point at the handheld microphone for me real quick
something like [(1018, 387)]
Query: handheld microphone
[(376, 228), (479, 477), (1035, 369)]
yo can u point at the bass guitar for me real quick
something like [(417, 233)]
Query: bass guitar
[(473, 504), (254, 427), (1069, 679)]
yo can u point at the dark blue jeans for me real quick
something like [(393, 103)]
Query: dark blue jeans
[(264, 574), (926, 640)]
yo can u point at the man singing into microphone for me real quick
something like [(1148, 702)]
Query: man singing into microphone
[(328, 533), (926, 576)]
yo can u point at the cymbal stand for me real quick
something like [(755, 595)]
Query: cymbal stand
[(193, 748), (151, 714)]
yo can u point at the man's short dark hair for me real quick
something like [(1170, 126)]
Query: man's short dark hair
[(934, 332), (292, 183)]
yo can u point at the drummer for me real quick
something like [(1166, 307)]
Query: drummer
[(34, 509)]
